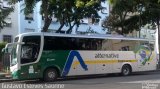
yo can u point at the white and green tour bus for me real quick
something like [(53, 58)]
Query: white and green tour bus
[(49, 56)]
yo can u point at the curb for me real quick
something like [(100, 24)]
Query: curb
[(4, 76), (7, 80)]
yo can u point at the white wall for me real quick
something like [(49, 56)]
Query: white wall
[(84, 27), (34, 24), (13, 30), (37, 23)]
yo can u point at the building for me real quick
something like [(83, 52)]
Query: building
[(20, 23), (31, 22), (8, 33), (34, 21)]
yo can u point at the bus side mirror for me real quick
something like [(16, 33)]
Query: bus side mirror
[(5, 50)]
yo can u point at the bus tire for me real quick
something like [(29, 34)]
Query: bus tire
[(50, 75), (126, 70)]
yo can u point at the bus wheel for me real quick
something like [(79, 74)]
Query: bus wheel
[(50, 75), (126, 70)]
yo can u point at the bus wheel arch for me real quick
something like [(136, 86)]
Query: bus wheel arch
[(50, 74), (126, 70)]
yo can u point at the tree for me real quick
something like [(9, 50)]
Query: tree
[(2, 45), (139, 13), (4, 12), (151, 14), (148, 12), (67, 12), (153, 7), (119, 14), (72, 13)]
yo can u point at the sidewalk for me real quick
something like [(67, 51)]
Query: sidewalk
[(4, 75)]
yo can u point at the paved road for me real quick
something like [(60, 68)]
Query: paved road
[(143, 80)]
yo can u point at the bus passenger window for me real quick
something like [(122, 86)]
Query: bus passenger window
[(125, 48)]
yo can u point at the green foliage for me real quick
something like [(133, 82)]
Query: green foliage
[(117, 19), (30, 5), (2, 45), (68, 12), (4, 12), (131, 15)]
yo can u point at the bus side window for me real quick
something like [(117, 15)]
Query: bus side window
[(125, 48)]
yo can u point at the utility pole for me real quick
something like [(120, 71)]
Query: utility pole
[(158, 38)]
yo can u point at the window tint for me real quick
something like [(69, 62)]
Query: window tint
[(30, 49), (148, 44), (57, 43), (118, 45), (74, 43), (71, 43)]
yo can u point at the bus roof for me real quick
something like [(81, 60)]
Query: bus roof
[(98, 36)]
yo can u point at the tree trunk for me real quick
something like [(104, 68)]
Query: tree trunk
[(158, 25), (47, 23), (122, 32), (77, 28), (158, 37), (47, 18), (70, 29), (60, 28)]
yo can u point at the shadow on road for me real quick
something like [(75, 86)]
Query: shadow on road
[(87, 77)]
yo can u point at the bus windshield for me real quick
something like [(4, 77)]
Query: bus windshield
[(30, 49), (14, 55)]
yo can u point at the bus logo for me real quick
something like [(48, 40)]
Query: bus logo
[(145, 54), (69, 62)]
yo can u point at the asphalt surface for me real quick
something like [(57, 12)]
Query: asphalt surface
[(142, 80)]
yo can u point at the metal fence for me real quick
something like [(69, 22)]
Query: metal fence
[(5, 63)]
